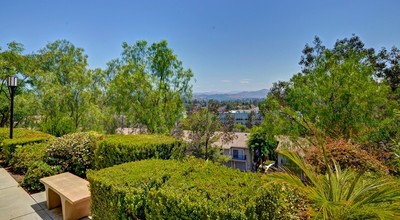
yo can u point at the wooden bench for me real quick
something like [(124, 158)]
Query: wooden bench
[(69, 191)]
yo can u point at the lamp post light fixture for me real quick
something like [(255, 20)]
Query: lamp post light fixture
[(12, 85)]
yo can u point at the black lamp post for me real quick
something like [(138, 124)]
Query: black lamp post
[(12, 84)]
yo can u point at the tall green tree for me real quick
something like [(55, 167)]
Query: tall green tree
[(337, 91), (203, 128), (13, 62), (148, 86), (339, 95), (64, 87), (388, 68)]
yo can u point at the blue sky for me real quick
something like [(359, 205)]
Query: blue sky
[(230, 45)]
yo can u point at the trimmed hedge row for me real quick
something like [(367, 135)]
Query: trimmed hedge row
[(192, 189), (20, 137), (69, 153), (117, 149)]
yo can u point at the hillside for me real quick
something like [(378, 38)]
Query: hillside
[(259, 94)]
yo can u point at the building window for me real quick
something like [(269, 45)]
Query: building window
[(238, 154)]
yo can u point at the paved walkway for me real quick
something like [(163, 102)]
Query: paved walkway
[(17, 204)]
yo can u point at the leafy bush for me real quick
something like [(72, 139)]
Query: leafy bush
[(58, 126), (36, 171), (347, 155), (73, 152), (20, 137), (117, 149), (24, 156), (193, 189)]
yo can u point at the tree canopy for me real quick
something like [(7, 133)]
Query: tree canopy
[(341, 91), (345, 92), (146, 87)]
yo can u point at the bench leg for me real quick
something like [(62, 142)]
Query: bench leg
[(75, 211), (53, 199)]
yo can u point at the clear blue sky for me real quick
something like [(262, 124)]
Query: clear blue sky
[(230, 45)]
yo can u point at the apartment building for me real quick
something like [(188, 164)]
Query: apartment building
[(245, 117)]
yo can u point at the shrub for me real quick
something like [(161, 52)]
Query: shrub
[(347, 155), (36, 171), (193, 189), (58, 126), (21, 137), (117, 149), (73, 152), (24, 156)]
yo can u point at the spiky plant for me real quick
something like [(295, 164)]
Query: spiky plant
[(343, 194)]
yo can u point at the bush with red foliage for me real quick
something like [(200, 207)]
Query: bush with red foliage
[(347, 155)]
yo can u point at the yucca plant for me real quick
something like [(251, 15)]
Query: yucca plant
[(343, 194)]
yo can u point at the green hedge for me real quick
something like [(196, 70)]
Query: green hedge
[(117, 149), (73, 152), (20, 137), (36, 171), (193, 189), (26, 155)]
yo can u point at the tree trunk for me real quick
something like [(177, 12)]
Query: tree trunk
[(4, 119)]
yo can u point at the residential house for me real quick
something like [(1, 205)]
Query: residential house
[(237, 149), (241, 156)]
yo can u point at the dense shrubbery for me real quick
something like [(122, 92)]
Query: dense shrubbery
[(193, 189), (117, 149), (26, 155), (73, 152), (36, 171), (21, 137), (347, 155)]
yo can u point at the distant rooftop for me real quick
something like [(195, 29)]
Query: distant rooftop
[(240, 141), (256, 109)]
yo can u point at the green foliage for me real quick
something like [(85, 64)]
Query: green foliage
[(388, 67), (58, 126), (282, 202), (66, 89), (339, 96), (344, 92), (394, 164), (343, 194), (12, 62), (263, 144), (117, 149), (240, 128), (36, 171), (59, 94), (148, 85), (204, 128), (21, 137), (25, 155), (338, 92), (168, 189), (73, 152)]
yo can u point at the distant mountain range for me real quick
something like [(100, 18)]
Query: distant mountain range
[(259, 94)]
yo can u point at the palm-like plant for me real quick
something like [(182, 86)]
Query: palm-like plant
[(344, 194)]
